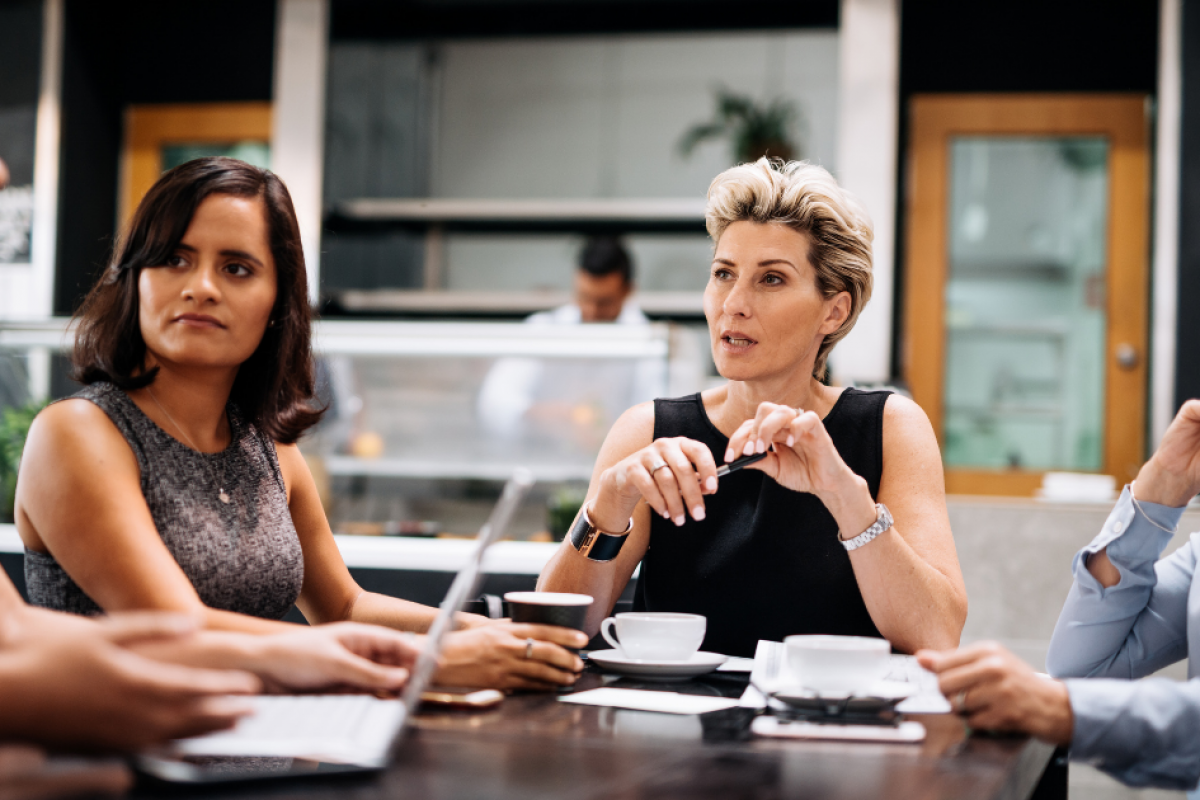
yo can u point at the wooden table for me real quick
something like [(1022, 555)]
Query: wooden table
[(534, 746)]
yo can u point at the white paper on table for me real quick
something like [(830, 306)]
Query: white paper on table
[(640, 700), (924, 703), (735, 664)]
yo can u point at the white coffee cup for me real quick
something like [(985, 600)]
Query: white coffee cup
[(655, 635), (837, 664)]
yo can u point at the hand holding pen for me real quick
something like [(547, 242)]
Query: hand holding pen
[(672, 475)]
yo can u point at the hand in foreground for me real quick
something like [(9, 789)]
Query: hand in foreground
[(27, 774), (1172, 475), (89, 692), (673, 475), (494, 657), (340, 656), (995, 690)]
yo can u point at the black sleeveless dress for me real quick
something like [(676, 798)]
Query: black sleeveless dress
[(766, 561)]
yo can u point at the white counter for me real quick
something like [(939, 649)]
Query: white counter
[(404, 552)]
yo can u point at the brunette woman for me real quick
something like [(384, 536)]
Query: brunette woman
[(172, 481)]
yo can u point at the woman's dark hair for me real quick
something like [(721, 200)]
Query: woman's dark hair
[(274, 387)]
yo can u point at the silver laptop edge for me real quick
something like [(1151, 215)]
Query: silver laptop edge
[(464, 586)]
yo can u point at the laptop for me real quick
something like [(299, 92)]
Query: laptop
[(296, 735)]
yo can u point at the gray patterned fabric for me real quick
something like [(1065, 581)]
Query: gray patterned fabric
[(243, 557)]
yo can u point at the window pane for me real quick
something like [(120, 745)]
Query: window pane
[(1025, 303)]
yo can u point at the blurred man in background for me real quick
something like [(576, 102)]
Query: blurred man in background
[(603, 284), (530, 406)]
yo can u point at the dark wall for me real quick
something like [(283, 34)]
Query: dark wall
[(439, 19), (120, 52), (20, 61), (1187, 354), (1017, 46)]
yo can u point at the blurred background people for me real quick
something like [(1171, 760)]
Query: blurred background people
[(536, 401), (603, 287)]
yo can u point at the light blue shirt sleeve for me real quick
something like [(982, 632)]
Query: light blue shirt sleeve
[(1143, 733), (1139, 625)]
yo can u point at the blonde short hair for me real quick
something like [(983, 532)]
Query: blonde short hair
[(807, 199)]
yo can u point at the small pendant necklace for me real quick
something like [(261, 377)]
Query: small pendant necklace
[(224, 497)]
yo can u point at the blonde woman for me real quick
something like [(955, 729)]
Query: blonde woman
[(796, 542)]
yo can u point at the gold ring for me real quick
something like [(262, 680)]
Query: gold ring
[(528, 649)]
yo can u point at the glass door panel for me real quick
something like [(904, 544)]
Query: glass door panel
[(1025, 306), (1026, 284)]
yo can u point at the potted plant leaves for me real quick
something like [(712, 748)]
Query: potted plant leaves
[(754, 130), (14, 427)]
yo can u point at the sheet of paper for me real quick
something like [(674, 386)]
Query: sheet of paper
[(925, 703), (639, 700)]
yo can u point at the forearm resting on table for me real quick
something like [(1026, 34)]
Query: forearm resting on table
[(218, 620), (212, 649), (568, 571), (914, 605), (401, 615)]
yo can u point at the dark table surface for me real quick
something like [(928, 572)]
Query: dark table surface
[(534, 746)]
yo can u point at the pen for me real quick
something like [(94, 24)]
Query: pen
[(734, 466)]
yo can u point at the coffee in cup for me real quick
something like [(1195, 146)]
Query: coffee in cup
[(549, 608), (655, 635), (837, 665)]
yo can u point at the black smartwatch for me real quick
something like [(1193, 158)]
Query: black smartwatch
[(593, 543)]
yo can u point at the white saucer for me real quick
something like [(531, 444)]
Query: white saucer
[(698, 664)]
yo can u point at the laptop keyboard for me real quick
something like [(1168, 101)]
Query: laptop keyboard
[(344, 728), (330, 717)]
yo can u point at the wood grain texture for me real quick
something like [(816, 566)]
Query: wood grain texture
[(1122, 119)]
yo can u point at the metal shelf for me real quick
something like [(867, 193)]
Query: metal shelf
[(426, 339), (515, 304), (351, 466), (405, 553), (651, 215)]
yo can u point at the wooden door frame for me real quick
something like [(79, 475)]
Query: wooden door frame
[(148, 128), (1123, 120)]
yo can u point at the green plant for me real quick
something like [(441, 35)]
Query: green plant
[(754, 130), (561, 508), (14, 427)]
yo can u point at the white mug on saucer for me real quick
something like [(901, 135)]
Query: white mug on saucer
[(837, 665), (655, 635)]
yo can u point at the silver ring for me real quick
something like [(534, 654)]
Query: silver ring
[(528, 649), (959, 703), (656, 465)]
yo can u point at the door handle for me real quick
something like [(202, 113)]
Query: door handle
[(1126, 356)]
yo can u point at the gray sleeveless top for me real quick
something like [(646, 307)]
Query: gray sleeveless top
[(243, 556)]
